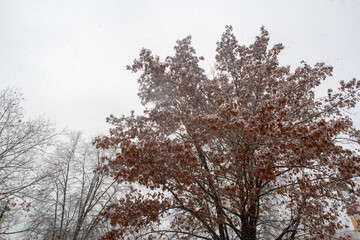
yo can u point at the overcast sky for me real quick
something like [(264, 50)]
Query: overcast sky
[(68, 57)]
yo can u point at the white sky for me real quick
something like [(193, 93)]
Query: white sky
[(68, 57)]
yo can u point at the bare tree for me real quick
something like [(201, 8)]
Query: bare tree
[(75, 194), (22, 144)]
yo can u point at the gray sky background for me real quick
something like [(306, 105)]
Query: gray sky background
[(68, 57)]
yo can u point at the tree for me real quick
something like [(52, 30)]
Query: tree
[(69, 207), (22, 143), (249, 153)]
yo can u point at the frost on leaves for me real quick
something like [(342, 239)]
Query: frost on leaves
[(248, 154)]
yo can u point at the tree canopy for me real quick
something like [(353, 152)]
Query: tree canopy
[(22, 144), (247, 152), (48, 187)]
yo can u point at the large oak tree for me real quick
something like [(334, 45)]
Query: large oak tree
[(246, 153)]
